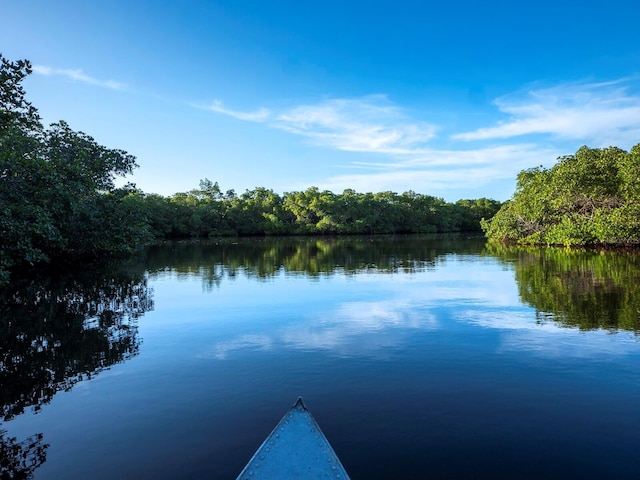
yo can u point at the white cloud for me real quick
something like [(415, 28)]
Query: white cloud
[(259, 115), (369, 124), (599, 114), (444, 169), (405, 153), (79, 76)]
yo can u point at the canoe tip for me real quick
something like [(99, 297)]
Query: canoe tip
[(300, 404)]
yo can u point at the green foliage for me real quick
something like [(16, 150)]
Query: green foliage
[(57, 187), (208, 212), (590, 198), (15, 111)]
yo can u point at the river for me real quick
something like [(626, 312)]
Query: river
[(420, 357)]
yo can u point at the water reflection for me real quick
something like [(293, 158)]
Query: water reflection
[(587, 290), (56, 331), (312, 256), (390, 337), (358, 328), (520, 331), (19, 460), (576, 288), (354, 328)]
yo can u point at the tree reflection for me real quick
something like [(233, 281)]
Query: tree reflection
[(18, 460), (56, 331), (577, 288), (310, 256)]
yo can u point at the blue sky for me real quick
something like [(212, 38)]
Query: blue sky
[(450, 99)]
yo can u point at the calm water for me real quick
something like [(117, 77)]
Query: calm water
[(419, 357)]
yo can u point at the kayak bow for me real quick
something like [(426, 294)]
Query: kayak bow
[(296, 448)]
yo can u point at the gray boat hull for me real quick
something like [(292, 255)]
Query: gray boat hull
[(296, 448)]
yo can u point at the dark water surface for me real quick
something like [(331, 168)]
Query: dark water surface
[(419, 357)]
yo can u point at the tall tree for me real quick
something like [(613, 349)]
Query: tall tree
[(57, 191)]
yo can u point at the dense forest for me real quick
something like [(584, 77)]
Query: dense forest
[(59, 199), (207, 211), (589, 198)]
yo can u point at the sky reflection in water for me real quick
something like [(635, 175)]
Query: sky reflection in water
[(366, 313), (410, 353)]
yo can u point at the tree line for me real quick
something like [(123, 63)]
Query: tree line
[(207, 211), (589, 198), (59, 200)]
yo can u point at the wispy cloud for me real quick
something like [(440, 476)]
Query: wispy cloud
[(440, 170), (599, 114), (404, 158), (259, 115), (79, 76), (370, 124), (541, 124)]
